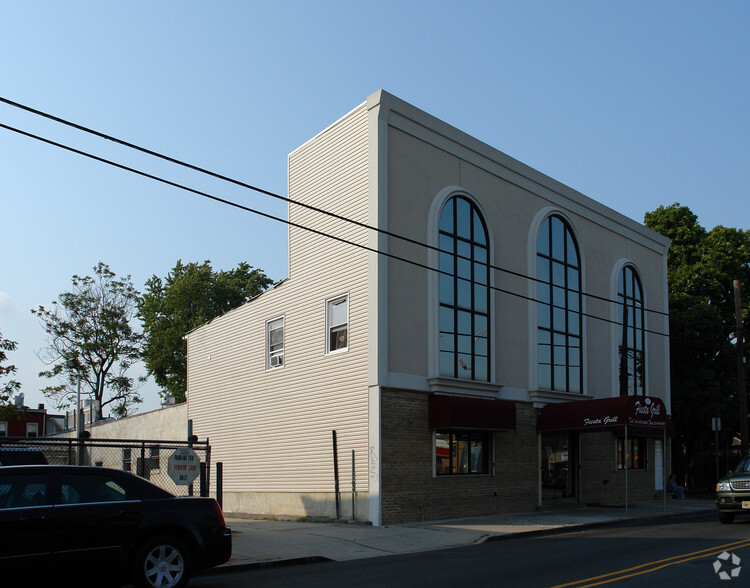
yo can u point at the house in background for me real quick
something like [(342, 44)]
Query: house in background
[(476, 336), (30, 422)]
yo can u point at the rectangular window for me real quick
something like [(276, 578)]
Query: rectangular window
[(32, 429), (462, 452), (154, 457), (337, 324), (3, 428), (636, 455), (127, 460), (275, 343)]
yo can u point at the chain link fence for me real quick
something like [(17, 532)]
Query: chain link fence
[(148, 459)]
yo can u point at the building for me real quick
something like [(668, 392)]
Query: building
[(433, 351), (29, 422), (89, 413)]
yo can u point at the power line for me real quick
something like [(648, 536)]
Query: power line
[(284, 198), (285, 221)]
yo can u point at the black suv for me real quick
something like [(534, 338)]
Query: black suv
[(733, 492)]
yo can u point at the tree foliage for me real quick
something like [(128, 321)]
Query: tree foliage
[(8, 388), (702, 266), (92, 323), (190, 295)]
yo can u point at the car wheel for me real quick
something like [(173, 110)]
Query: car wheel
[(726, 518), (162, 562)]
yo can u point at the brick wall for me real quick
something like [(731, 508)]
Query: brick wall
[(17, 422), (411, 493), (602, 482)]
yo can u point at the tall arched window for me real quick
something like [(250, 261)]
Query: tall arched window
[(559, 322), (631, 333), (464, 321)]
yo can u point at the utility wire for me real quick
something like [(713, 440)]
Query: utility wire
[(285, 221), (284, 198)]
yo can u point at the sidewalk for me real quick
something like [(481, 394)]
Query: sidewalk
[(263, 542)]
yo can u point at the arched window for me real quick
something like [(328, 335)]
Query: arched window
[(464, 346), (559, 322), (631, 334)]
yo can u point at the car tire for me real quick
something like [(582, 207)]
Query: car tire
[(162, 562), (726, 518)]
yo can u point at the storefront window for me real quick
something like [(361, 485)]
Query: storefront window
[(462, 452), (636, 454)]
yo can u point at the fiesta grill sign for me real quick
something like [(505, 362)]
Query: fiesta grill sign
[(635, 411)]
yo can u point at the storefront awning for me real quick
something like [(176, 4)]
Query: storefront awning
[(643, 415), (459, 412)]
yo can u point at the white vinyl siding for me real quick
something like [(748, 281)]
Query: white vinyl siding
[(272, 429)]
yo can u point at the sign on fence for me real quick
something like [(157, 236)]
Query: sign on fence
[(183, 466)]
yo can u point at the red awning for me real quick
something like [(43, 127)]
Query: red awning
[(459, 412), (644, 414)]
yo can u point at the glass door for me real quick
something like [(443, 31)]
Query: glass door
[(559, 467)]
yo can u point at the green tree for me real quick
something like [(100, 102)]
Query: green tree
[(9, 388), (92, 323), (702, 266), (190, 295)]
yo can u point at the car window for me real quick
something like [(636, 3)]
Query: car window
[(743, 466), (81, 488), (23, 490)]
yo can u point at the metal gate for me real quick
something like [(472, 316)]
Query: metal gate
[(148, 459)]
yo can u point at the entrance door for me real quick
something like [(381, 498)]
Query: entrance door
[(559, 467)]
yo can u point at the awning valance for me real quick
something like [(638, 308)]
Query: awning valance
[(460, 412), (644, 415)]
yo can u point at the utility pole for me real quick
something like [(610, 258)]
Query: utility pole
[(741, 386)]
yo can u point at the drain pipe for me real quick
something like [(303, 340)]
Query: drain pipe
[(354, 488)]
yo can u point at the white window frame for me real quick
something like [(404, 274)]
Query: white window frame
[(275, 357), (30, 427), (3, 428), (330, 326)]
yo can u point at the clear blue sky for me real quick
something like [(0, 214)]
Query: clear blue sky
[(635, 104)]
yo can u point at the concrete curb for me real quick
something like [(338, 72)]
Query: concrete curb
[(587, 526), (276, 563)]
